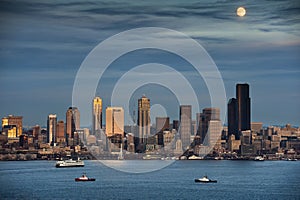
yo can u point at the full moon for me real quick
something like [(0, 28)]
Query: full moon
[(241, 12)]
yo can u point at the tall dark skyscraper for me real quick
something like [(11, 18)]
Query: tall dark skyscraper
[(243, 107), (239, 111), (232, 117)]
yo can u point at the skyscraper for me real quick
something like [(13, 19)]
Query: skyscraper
[(232, 118), (72, 121), (243, 105), (214, 132), (185, 130), (114, 127), (51, 129), (114, 121), (239, 113), (144, 118), (162, 124), (97, 115), (207, 117), (60, 131)]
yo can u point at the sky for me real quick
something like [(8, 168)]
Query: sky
[(44, 43)]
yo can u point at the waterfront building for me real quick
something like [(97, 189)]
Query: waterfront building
[(97, 115), (256, 127), (144, 119), (178, 147), (51, 129), (130, 143), (10, 131), (185, 131), (12, 120), (233, 144)]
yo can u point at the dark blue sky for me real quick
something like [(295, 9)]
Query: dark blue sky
[(44, 43)]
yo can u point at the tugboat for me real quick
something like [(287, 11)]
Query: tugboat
[(205, 179), (84, 178), (69, 163)]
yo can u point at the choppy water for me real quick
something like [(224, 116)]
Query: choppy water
[(236, 180)]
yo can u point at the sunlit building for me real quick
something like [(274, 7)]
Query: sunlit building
[(97, 115), (51, 129), (60, 132), (114, 121), (114, 127), (144, 119), (14, 120)]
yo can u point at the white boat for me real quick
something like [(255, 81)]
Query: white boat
[(69, 163), (193, 157), (205, 179), (259, 158)]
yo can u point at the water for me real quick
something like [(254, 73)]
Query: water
[(236, 180)]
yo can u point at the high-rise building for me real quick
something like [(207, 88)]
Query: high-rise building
[(232, 118), (72, 121), (214, 132), (243, 105), (97, 115), (144, 119), (51, 129), (176, 125), (114, 121), (162, 124), (185, 128), (239, 113), (36, 131), (14, 121), (207, 115), (60, 131), (114, 125)]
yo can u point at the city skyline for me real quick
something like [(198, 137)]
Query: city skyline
[(260, 48)]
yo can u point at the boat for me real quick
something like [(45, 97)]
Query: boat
[(205, 179), (84, 178), (69, 163), (194, 157), (291, 159), (259, 158)]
